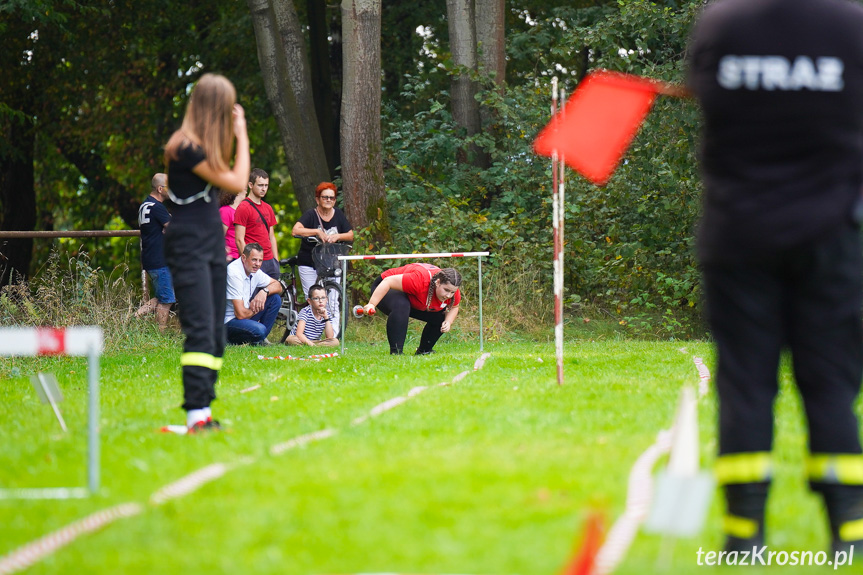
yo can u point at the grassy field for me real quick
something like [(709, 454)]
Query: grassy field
[(492, 474)]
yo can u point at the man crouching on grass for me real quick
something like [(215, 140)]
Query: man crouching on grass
[(253, 299), (314, 325)]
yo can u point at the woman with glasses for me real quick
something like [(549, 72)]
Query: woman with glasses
[(325, 222)]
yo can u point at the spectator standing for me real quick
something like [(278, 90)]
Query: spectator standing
[(780, 83), (325, 222), (255, 221), (153, 218), (228, 203)]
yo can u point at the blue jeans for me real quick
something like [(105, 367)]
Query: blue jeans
[(255, 329), (163, 287)]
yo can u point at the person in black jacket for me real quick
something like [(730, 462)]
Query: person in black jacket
[(780, 83)]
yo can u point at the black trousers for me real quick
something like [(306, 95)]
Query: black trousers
[(398, 310), (196, 258), (807, 299)]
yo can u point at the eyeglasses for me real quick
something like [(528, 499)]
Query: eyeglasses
[(328, 198), (324, 298)]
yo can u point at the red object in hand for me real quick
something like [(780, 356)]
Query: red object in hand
[(360, 311), (595, 127)]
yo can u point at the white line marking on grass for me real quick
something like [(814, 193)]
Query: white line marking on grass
[(302, 440), (248, 389), (460, 376), (189, 483), (481, 361), (31, 553)]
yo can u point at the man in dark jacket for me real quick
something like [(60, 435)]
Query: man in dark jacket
[(153, 218), (780, 83)]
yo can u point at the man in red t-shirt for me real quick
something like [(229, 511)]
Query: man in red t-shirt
[(420, 291), (255, 222)]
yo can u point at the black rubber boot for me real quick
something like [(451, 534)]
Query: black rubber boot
[(745, 505), (844, 505)]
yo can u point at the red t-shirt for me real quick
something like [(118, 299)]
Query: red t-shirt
[(256, 231), (415, 283)]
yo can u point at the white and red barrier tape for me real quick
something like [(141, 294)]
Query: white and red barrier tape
[(33, 341), (414, 256), (316, 357), (640, 492)]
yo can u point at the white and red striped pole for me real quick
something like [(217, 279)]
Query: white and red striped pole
[(477, 255), (557, 171), (73, 341)]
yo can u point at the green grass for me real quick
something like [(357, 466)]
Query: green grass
[(491, 475)]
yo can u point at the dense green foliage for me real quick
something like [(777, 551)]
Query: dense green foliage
[(628, 244)]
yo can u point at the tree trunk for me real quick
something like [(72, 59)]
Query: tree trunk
[(362, 168), (490, 36), (322, 81), (17, 200), (282, 58), (463, 46)]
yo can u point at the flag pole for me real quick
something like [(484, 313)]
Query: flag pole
[(561, 217), (556, 170)]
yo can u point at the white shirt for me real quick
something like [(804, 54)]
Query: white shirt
[(242, 285)]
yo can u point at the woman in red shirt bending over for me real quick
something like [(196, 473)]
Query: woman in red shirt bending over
[(421, 291)]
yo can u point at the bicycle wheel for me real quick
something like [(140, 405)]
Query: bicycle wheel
[(334, 305), (287, 316)]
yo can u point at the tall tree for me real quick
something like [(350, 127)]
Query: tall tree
[(95, 90), (362, 168), (476, 35), (284, 66), (327, 101)]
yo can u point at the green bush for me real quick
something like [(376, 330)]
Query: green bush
[(629, 244)]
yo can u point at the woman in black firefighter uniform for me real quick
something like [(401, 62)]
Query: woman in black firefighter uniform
[(198, 159)]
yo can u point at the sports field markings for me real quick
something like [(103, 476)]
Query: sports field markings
[(302, 440), (639, 492), (33, 552), (190, 483)]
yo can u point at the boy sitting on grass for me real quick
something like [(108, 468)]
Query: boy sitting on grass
[(313, 324)]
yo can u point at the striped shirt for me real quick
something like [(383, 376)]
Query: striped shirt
[(314, 327)]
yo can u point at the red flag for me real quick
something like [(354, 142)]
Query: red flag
[(598, 123), (583, 561)]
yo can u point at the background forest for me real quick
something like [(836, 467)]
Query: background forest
[(89, 92)]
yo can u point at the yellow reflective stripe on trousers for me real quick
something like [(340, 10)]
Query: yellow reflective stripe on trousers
[(739, 527), (851, 531), (753, 467), (199, 359), (843, 468)]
